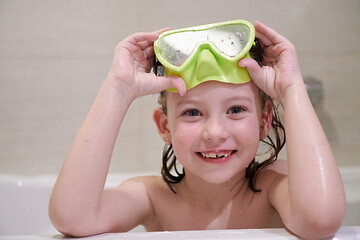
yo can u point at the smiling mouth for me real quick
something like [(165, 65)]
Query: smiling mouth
[(216, 155)]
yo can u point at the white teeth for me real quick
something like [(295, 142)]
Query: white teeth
[(214, 155)]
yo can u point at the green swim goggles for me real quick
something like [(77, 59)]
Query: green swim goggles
[(207, 53)]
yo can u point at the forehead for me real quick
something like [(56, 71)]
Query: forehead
[(217, 91)]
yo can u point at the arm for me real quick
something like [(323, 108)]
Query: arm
[(79, 205), (311, 200)]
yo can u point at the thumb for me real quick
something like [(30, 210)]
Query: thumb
[(171, 81), (255, 71), (263, 77)]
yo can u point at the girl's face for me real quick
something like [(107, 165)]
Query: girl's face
[(215, 129)]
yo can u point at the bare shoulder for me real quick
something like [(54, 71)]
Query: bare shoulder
[(138, 190), (142, 182), (152, 186), (273, 173), (279, 166), (158, 196)]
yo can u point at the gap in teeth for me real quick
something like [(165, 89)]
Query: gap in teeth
[(214, 155)]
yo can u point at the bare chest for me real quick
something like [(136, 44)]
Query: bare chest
[(250, 211)]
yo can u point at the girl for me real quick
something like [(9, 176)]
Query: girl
[(214, 131)]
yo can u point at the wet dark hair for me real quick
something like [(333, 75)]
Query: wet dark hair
[(170, 171)]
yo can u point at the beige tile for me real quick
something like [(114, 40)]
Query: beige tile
[(43, 102), (64, 27), (338, 111), (139, 147), (324, 26)]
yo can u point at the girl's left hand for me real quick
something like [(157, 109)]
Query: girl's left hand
[(281, 70)]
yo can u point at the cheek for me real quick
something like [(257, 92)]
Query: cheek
[(184, 134), (247, 133), (184, 138)]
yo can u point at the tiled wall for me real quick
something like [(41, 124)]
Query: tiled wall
[(55, 54)]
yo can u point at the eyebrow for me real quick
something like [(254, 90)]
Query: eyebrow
[(238, 98), (230, 99), (187, 101)]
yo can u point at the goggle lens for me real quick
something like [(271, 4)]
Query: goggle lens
[(229, 40)]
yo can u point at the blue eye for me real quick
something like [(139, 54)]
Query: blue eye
[(235, 110), (192, 113)]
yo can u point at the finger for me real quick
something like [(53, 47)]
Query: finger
[(139, 55), (149, 52), (264, 41), (161, 30), (270, 55), (145, 56), (145, 48), (144, 40), (145, 44), (137, 38), (267, 35), (149, 37)]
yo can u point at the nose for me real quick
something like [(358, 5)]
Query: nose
[(215, 130)]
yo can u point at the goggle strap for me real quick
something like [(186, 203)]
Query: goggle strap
[(158, 68), (256, 52)]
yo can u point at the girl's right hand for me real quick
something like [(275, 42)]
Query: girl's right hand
[(132, 62)]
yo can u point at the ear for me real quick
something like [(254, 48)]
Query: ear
[(161, 122), (266, 119)]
